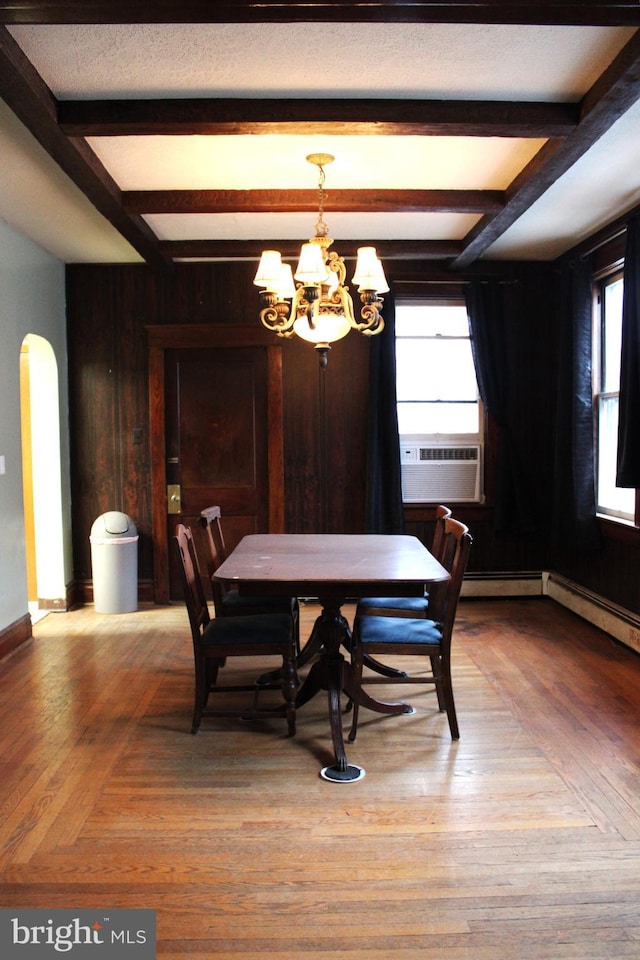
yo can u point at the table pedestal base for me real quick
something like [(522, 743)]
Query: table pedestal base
[(336, 775), (332, 673)]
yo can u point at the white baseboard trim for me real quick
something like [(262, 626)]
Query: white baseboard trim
[(503, 585), (602, 613)]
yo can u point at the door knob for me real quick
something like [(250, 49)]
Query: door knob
[(174, 503)]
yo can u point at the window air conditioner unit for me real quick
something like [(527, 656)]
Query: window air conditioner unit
[(440, 473)]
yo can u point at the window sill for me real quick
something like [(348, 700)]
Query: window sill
[(620, 530)]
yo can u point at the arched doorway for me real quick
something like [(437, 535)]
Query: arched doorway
[(41, 475)]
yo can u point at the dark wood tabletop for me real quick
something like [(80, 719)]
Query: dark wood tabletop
[(332, 565)]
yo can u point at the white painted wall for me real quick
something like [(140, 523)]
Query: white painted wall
[(32, 301)]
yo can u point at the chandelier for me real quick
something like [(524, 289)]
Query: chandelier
[(319, 307)]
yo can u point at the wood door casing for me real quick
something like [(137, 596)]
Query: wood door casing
[(259, 365)]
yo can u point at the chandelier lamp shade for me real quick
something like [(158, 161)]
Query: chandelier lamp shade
[(315, 303)]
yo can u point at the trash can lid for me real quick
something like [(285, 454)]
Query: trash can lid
[(113, 524)]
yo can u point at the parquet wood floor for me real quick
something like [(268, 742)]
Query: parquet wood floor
[(519, 842)]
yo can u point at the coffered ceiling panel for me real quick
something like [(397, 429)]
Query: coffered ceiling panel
[(278, 162), (461, 61), (475, 131)]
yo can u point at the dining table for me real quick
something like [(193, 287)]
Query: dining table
[(333, 569)]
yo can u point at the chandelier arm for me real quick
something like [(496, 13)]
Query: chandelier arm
[(269, 319), (372, 322), (276, 316), (306, 301), (335, 264)]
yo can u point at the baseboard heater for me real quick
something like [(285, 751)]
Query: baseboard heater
[(602, 613), (609, 617), (525, 583)]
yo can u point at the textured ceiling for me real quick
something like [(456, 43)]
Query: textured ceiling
[(470, 61), (338, 61)]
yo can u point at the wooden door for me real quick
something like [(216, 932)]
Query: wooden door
[(221, 443), (217, 439)]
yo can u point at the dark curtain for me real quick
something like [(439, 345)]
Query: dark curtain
[(493, 310), (628, 472), (574, 506), (384, 486)]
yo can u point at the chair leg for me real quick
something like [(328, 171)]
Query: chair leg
[(289, 691), (206, 672), (296, 631), (200, 693), (450, 706), (356, 666), (211, 668), (435, 669)]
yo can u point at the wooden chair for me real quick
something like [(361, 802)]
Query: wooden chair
[(407, 606), (403, 606), (429, 638), (228, 602), (210, 520), (214, 641)]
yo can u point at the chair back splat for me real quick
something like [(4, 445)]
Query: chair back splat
[(442, 515), (214, 641), (426, 637), (227, 601), (210, 520)]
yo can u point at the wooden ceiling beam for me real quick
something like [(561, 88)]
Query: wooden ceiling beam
[(616, 90), (231, 117), (24, 91), (290, 249), (552, 12), (306, 201)]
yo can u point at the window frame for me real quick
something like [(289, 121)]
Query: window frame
[(610, 521), (460, 437), (451, 295)]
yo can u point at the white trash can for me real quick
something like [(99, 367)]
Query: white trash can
[(114, 561)]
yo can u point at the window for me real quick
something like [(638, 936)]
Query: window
[(611, 500), (439, 411)]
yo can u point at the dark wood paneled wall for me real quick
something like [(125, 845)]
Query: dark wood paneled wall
[(325, 415), (612, 571), (107, 309)]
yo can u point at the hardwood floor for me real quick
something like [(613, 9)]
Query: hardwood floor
[(522, 840)]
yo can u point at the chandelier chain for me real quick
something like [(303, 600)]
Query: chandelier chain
[(321, 227)]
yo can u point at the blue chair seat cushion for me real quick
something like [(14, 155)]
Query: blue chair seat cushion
[(267, 628), (399, 631), (417, 605)]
